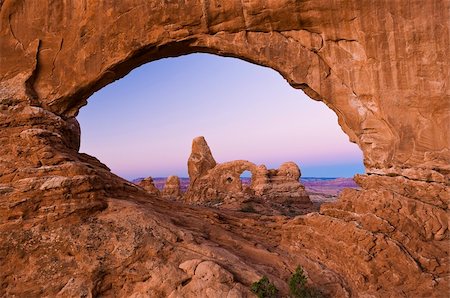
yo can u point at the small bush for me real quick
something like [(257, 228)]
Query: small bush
[(298, 287), (264, 288)]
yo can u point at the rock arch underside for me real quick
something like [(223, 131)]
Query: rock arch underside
[(70, 227)]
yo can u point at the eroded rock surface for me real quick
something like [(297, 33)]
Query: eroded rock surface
[(206, 277), (270, 191), (149, 186), (69, 226), (201, 160), (172, 188), (282, 184)]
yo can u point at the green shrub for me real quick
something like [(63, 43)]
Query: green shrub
[(298, 287), (264, 288)]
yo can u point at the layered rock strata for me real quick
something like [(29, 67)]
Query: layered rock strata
[(69, 226)]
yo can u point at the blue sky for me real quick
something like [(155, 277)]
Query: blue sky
[(143, 124)]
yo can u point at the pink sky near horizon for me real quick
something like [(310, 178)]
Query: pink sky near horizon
[(143, 124)]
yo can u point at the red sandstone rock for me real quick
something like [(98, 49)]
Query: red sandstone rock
[(68, 226), (172, 189), (149, 186), (207, 277), (201, 159), (283, 184), (221, 185)]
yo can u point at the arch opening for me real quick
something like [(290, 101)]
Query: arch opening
[(237, 95), (246, 179)]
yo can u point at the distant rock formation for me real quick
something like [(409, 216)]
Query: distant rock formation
[(283, 184), (172, 189), (149, 185), (212, 183), (201, 159)]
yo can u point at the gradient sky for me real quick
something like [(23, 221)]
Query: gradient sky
[(143, 124)]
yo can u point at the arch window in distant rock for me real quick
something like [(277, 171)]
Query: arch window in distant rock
[(246, 178)]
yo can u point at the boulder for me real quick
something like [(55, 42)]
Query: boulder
[(149, 186)]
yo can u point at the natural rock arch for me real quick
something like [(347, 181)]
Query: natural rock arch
[(385, 78), (73, 56)]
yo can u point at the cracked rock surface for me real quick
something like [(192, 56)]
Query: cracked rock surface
[(69, 227)]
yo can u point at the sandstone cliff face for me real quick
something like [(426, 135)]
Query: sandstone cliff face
[(69, 226)]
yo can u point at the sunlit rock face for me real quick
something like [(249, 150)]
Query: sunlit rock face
[(69, 226)]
